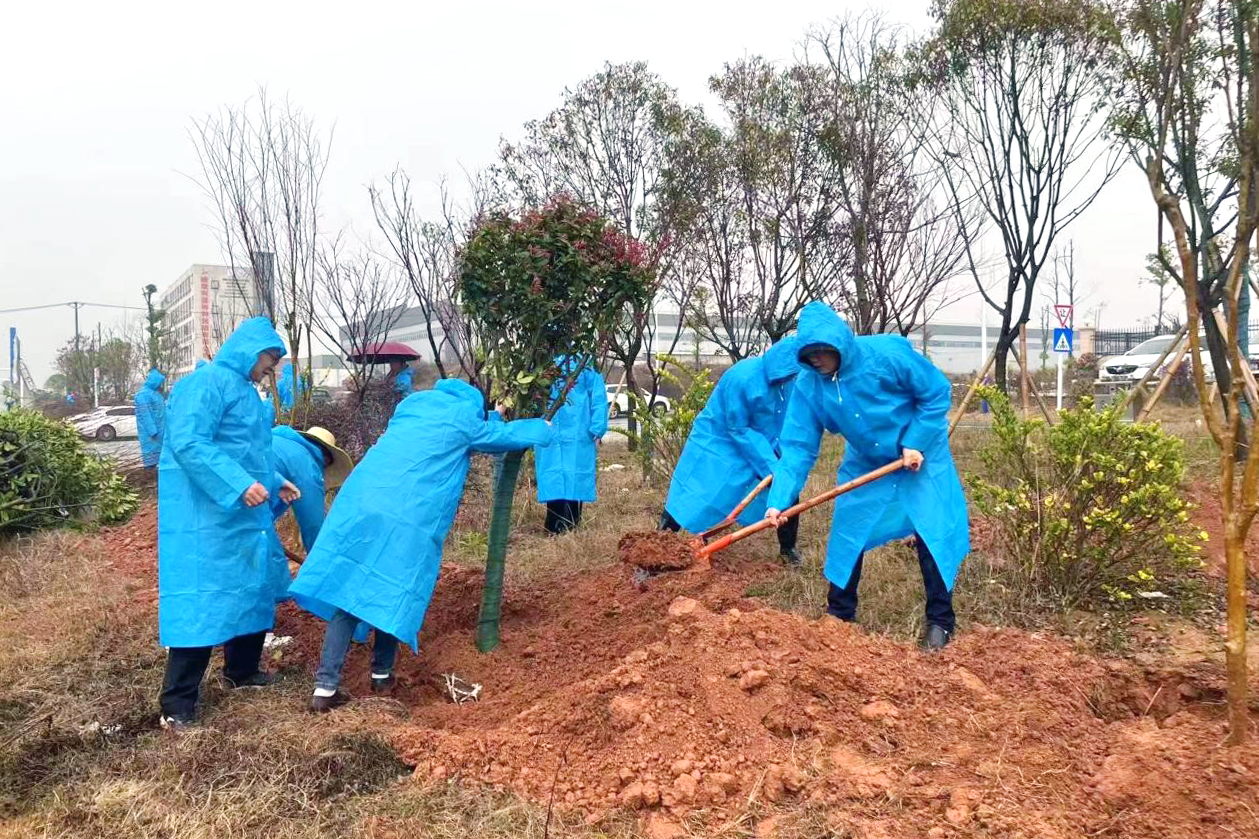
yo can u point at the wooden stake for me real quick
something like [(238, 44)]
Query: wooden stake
[(970, 391), (1030, 384), (1165, 381), (1181, 338)]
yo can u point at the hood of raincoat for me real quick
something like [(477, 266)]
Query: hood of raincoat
[(154, 380), (782, 360), (462, 390), (821, 327), (240, 351)]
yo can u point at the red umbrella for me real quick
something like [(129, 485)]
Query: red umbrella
[(383, 352)]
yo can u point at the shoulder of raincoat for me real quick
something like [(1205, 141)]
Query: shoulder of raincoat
[(733, 443), (379, 552), (213, 570), (151, 417), (566, 469), (885, 397)]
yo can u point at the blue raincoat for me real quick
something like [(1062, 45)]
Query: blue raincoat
[(566, 468), (214, 578), (284, 387), (300, 462), (884, 398), (380, 549), (734, 441), (151, 417), (403, 383)]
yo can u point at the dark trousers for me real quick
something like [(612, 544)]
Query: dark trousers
[(842, 602), (562, 516), (787, 534), (185, 668)]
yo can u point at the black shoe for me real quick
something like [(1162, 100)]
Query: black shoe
[(257, 679), (936, 638), (324, 704), (791, 557), (384, 685), (176, 723)]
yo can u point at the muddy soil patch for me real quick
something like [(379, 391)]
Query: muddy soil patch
[(657, 550)]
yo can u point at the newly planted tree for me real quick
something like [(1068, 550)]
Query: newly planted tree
[(551, 284), (1187, 107)]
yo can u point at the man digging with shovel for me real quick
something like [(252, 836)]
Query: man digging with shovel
[(889, 403), (733, 445)]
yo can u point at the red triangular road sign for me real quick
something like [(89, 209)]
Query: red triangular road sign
[(1063, 311)]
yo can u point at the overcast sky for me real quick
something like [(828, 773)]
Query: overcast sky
[(96, 199)]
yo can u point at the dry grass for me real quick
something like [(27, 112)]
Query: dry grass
[(80, 669)]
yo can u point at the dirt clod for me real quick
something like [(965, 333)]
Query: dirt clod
[(656, 550)]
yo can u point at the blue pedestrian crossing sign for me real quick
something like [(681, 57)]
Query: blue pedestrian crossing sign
[(1062, 340)]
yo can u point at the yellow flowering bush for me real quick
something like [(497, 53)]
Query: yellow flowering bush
[(1090, 508)]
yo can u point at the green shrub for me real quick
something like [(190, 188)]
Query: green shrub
[(1091, 508), (48, 478), (661, 436)]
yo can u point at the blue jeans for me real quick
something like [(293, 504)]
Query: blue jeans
[(336, 643), (842, 602)]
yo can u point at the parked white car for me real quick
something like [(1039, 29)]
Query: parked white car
[(618, 401), (108, 422)]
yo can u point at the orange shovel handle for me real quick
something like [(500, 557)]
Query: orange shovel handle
[(734, 514), (729, 539)]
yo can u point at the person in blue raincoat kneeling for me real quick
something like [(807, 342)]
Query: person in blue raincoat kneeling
[(379, 552), (151, 418), (889, 403), (565, 469), (733, 444), (216, 474), (312, 462)]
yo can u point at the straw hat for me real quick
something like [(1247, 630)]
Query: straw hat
[(334, 474)]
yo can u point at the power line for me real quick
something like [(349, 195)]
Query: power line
[(76, 304)]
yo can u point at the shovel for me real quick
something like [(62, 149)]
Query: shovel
[(700, 540), (706, 551)]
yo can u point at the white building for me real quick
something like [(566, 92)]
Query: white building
[(202, 308)]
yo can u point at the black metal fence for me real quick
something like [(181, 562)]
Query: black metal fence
[(1117, 342)]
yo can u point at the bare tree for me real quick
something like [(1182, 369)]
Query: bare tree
[(425, 252), (358, 300), (262, 167), (1189, 108), (901, 239), (785, 182), (1022, 87)]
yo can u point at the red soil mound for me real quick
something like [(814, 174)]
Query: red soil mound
[(687, 696), (657, 550)]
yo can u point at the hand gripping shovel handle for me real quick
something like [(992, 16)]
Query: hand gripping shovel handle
[(734, 514), (739, 535)]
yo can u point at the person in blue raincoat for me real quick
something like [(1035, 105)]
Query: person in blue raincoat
[(151, 418), (312, 462), (566, 468), (403, 378), (288, 387), (889, 403), (733, 444), (216, 473), (379, 552)]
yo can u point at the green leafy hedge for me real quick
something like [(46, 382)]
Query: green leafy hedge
[(48, 478), (661, 435), (1090, 509)]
